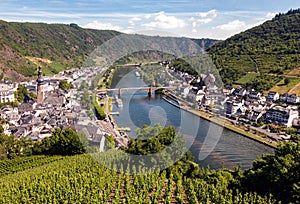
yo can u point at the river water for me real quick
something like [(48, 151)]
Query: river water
[(227, 149)]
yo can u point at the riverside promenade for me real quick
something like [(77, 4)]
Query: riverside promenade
[(109, 126)]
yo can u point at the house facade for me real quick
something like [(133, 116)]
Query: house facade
[(281, 115), (272, 96), (7, 92), (292, 98), (232, 105)]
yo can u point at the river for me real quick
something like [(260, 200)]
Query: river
[(231, 149)]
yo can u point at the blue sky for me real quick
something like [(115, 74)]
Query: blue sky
[(190, 18)]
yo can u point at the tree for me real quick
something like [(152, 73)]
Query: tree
[(286, 80), (11, 147), (86, 101), (99, 112), (158, 139), (62, 142), (63, 84), (278, 174), (110, 142), (21, 93)]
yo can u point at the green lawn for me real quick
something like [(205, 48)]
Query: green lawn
[(281, 87), (249, 77)]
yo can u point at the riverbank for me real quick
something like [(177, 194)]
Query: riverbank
[(264, 139), (109, 125), (227, 124)]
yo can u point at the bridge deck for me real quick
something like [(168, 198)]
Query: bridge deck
[(134, 88)]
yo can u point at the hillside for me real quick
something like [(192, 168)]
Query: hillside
[(272, 47), (55, 47), (24, 46)]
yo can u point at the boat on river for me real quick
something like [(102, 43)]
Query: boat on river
[(137, 74)]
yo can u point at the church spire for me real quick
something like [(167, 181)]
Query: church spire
[(40, 91), (40, 75)]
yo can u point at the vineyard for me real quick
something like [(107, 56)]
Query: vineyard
[(21, 164), (81, 179)]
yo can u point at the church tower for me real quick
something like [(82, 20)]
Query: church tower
[(40, 91)]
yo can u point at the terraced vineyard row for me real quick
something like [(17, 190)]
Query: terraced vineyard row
[(23, 163), (80, 179)]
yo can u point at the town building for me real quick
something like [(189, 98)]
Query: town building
[(272, 96), (283, 97), (228, 90), (292, 98), (281, 115), (10, 114), (239, 92), (254, 94), (232, 105), (7, 92), (40, 88), (296, 123), (253, 115), (289, 98)]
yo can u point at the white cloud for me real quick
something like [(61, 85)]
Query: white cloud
[(194, 24), (207, 17), (163, 21), (133, 20), (102, 26), (136, 19), (192, 19), (232, 26), (148, 16), (194, 31), (270, 15), (205, 20), (211, 13)]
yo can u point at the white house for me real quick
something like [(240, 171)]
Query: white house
[(239, 92), (186, 91), (232, 105), (11, 115), (7, 92), (200, 95), (227, 90), (282, 115), (254, 94), (272, 96)]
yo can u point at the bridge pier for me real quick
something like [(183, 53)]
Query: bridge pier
[(119, 93), (150, 91)]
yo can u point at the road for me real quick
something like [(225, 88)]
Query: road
[(257, 129)]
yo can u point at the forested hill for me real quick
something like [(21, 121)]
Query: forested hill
[(272, 47), (55, 47)]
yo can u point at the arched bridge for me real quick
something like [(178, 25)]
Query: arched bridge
[(121, 90)]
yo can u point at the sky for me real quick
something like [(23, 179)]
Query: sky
[(217, 19)]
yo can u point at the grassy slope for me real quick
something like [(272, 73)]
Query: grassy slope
[(270, 47), (291, 87)]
